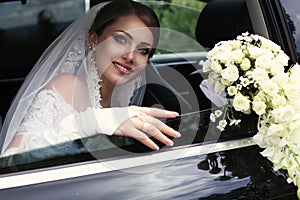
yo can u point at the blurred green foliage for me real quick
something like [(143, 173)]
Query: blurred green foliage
[(181, 17)]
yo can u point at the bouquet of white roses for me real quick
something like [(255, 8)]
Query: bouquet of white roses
[(251, 71)]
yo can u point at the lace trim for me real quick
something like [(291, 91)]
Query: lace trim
[(73, 61), (93, 81)]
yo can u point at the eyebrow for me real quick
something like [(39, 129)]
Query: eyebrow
[(130, 36)]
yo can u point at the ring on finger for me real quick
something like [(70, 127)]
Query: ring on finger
[(142, 117), (146, 126)]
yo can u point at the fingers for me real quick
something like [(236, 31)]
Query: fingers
[(159, 125), (155, 112), (155, 128), (145, 125), (135, 128), (153, 131), (143, 138)]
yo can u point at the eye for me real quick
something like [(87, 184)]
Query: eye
[(120, 38), (144, 50)]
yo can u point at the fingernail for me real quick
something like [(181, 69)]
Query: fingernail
[(155, 147), (175, 113), (170, 142), (177, 133)]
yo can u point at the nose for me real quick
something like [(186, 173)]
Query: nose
[(129, 56)]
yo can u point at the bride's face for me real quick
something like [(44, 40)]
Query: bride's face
[(123, 49)]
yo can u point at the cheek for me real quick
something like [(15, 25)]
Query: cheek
[(141, 62), (106, 52), (109, 50), (141, 66)]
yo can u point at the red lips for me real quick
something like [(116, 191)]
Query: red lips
[(122, 68)]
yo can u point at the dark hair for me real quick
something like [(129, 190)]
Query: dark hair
[(119, 8)]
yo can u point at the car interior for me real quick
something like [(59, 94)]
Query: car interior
[(229, 19)]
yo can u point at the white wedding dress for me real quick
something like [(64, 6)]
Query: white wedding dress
[(47, 121), (40, 115)]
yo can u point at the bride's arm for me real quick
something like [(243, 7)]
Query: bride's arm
[(135, 122)]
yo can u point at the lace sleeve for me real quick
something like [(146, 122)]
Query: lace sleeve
[(44, 116), (51, 120), (46, 112)]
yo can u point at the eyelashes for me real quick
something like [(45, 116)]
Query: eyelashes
[(120, 39), (144, 51), (123, 40)]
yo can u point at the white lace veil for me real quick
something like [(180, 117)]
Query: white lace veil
[(69, 53)]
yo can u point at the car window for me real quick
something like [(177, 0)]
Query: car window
[(293, 21), (34, 24), (173, 17), (194, 126), (25, 32)]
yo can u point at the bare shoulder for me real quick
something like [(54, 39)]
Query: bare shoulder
[(63, 82)]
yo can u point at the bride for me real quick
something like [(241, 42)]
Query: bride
[(83, 83)]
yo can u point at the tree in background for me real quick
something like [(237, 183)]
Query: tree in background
[(180, 16)]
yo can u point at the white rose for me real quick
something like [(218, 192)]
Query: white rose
[(268, 44), (276, 129), (278, 100), (281, 80), (216, 67), (295, 73), (230, 73), (263, 61), (294, 128), (283, 114), (237, 55), (221, 51), (246, 64), (282, 58), (276, 68), (235, 44), (260, 74), (223, 56), (259, 107), (292, 91), (260, 96), (241, 103), (255, 52), (270, 87)]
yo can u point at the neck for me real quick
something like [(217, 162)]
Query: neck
[(106, 91)]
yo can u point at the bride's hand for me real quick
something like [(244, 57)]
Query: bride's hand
[(144, 125)]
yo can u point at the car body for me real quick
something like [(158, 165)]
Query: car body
[(203, 163)]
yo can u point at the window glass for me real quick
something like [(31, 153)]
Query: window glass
[(25, 32), (180, 16), (173, 15), (292, 9), (34, 24)]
